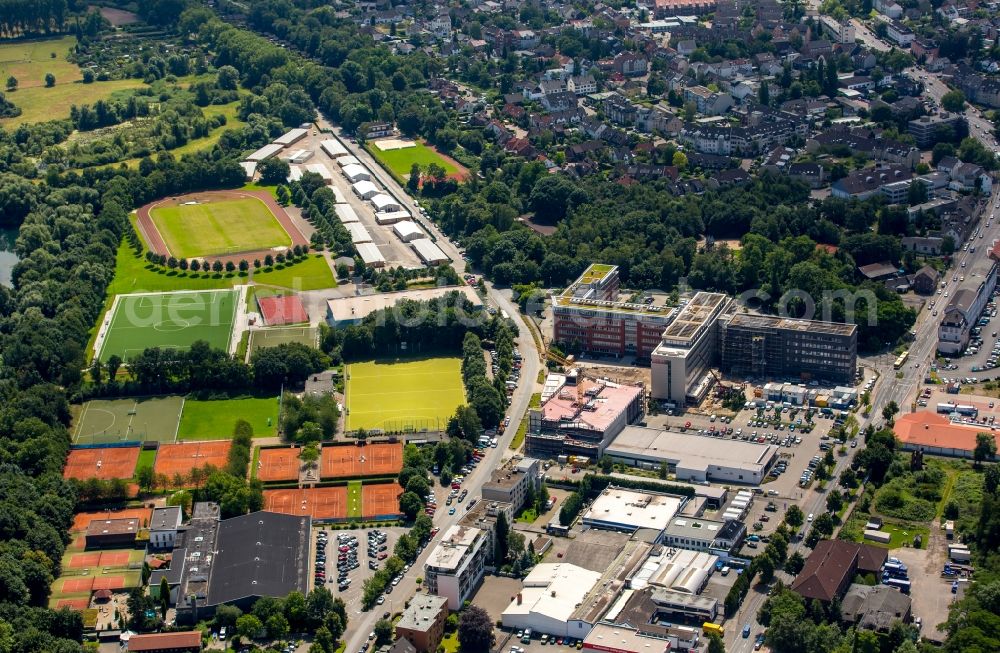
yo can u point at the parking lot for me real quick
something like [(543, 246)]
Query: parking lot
[(931, 594), (982, 357), (357, 576)]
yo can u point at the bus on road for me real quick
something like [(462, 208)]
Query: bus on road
[(901, 360)]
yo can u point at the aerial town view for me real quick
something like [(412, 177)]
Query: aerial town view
[(499, 326)]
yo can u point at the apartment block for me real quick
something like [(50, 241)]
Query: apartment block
[(770, 346), (925, 128), (422, 624), (589, 316), (513, 482), (455, 567)]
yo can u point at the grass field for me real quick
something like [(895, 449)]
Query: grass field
[(404, 394), (215, 419), (146, 459), (103, 421), (218, 227), (354, 499), (29, 61), (40, 104), (400, 161), (134, 274), (273, 337), (169, 321)]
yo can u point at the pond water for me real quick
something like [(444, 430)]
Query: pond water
[(7, 256)]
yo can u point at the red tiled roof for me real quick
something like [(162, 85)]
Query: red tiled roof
[(165, 641), (927, 429)]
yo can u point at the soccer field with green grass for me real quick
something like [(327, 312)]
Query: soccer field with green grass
[(169, 321), (218, 227), (403, 394), (216, 419), (400, 161)]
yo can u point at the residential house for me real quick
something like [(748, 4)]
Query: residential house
[(927, 245), (707, 102), (862, 184), (831, 567), (925, 280), (561, 101), (812, 174), (582, 85), (630, 64), (899, 33)]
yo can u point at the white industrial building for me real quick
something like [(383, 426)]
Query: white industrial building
[(685, 532), (294, 173), (249, 168), (333, 148), (365, 189), (549, 597), (355, 173), (628, 510), (407, 231), (693, 457), (385, 203), (345, 311), (346, 213), (320, 170), (338, 196), (300, 156), (348, 160), (265, 152), (454, 569), (358, 233), (291, 136), (428, 252), (682, 570), (391, 217)]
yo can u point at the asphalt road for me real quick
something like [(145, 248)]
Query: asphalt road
[(362, 623)]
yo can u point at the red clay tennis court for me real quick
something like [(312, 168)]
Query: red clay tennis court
[(105, 463), (380, 499), (182, 457), (98, 559), (73, 604), (92, 583), (375, 459), (320, 502), (278, 311), (81, 520), (278, 464)]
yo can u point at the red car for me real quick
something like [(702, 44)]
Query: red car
[(383, 555)]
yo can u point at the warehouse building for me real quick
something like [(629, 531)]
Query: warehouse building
[(693, 457), (590, 316), (321, 170), (708, 535), (677, 570), (680, 365), (429, 253), (300, 156), (549, 597), (407, 231), (370, 254), (238, 560), (348, 160), (579, 416), (291, 136), (333, 148), (355, 173), (365, 189), (619, 509), (391, 217), (111, 533), (346, 213), (358, 233), (265, 152), (766, 346), (345, 311), (456, 566), (384, 203)]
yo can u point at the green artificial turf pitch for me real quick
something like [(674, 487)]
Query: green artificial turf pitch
[(403, 395), (169, 321), (215, 419), (218, 227), (354, 501)]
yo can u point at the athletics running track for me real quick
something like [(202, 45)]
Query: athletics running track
[(156, 243)]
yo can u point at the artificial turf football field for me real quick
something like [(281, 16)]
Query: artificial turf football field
[(216, 227), (170, 321), (403, 394)]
